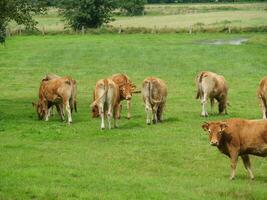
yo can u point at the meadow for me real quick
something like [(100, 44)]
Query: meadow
[(171, 160), (172, 17)]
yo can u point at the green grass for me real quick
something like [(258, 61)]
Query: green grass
[(172, 160)]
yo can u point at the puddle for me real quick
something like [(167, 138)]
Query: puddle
[(237, 41)]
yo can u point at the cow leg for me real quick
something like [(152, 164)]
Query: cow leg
[(119, 111), (116, 112), (234, 159), (247, 165), (203, 102), (129, 109), (109, 116), (48, 113), (155, 112), (102, 115), (211, 104), (263, 111), (160, 112), (67, 106), (60, 111), (148, 112)]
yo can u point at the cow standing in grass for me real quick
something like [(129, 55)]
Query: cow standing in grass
[(212, 86), (239, 137), (74, 88), (57, 92), (107, 100), (154, 92), (262, 95), (126, 90)]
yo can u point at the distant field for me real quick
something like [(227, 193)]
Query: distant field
[(177, 16), (172, 160)]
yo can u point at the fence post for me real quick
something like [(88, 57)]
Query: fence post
[(43, 30), (119, 30), (82, 30), (229, 29), (190, 29)]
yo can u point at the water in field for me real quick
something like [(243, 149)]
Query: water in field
[(237, 41)]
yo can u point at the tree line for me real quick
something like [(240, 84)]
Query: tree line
[(78, 14)]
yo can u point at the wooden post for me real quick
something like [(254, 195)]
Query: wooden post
[(154, 29), (82, 30), (119, 30), (19, 31), (229, 29), (43, 30), (190, 29)]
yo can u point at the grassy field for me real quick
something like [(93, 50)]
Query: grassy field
[(176, 16), (172, 160)]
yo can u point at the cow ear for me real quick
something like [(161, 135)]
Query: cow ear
[(223, 126), (205, 126)]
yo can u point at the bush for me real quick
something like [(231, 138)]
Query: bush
[(132, 7), (87, 13)]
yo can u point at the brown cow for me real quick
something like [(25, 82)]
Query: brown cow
[(107, 99), (55, 92), (126, 89), (262, 95), (239, 137), (74, 106), (154, 92), (212, 86)]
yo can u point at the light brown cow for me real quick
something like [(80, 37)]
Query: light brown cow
[(154, 92), (126, 89), (55, 92), (212, 86), (262, 95), (239, 137), (107, 99), (74, 106)]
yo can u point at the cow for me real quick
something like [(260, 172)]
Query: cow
[(212, 86), (57, 92), (262, 95), (126, 90), (154, 91), (54, 76), (238, 137), (107, 100)]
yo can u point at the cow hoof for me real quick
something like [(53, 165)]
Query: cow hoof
[(154, 121), (128, 118), (232, 178), (103, 128), (148, 123)]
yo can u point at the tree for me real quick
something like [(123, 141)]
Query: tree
[(20, 11), (87, 13), (132, 7)]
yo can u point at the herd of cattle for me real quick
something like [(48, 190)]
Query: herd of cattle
[(233, 137)]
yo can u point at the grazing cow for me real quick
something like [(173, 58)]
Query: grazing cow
[(107, 100), (154, 92), (54, 76), (57, 92), (126, 89), (212, 86), (239, 137), (262, 95)]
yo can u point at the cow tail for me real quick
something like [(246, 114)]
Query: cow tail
[(104, 94), (198, 82), (151, 99)]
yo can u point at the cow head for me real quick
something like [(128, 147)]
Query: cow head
[(215, 131), (126, 90), (41, 109), (95, 111)]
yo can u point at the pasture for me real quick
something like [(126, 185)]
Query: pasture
[(211, 16), (172, 160)]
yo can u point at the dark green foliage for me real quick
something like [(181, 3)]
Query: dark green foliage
[(87, 13), (20, 11), (132, 7)]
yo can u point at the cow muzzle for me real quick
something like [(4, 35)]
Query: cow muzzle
[(128, 97), (214, 143)]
